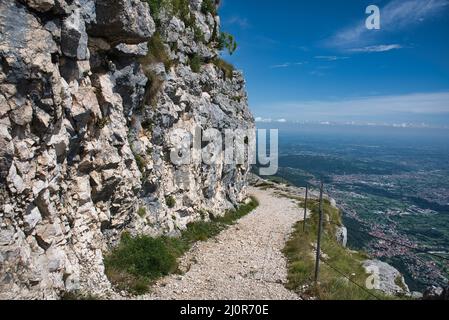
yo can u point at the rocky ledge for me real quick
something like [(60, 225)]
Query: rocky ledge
[(90, 91)]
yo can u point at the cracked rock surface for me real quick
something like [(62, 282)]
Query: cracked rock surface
[(81, 148)]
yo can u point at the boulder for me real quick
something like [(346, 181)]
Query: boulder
[(130, 84), (15, 181), (6, 236), (22, 115), (123, 21), (436, 293), (341, 235), (41, 5), (131, 50), (389, 280), (31, 219)]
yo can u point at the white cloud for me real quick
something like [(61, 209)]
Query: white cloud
[(378, 48), (263, 120), (286, 65), (239, 21), (317, 73), (269, 120), (277, 66), (395, 16), (330, 58), (399, 14)]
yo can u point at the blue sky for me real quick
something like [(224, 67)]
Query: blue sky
[(316, 61)]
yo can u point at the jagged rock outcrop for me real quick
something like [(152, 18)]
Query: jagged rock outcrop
[(389, 280), (341, 234), (84, 135), (436, 293)]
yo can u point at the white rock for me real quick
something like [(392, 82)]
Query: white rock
[(15, 180), (32, 219)]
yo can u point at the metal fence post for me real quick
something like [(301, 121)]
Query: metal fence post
[(305, 208), (318, 244)]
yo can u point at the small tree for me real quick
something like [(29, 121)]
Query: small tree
[(227, 41)]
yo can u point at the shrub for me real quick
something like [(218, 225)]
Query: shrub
[(178, 8), (198, 34), (227, 68), (170, 201), (214, 36), (195, 63), (157, 52), (200, 231), (156, 47), (155, 8), (227, 41), (138, 261), (208, 6), (143, 256), (181, 9)]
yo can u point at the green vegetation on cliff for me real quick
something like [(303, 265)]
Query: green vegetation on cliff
[(138, 261)]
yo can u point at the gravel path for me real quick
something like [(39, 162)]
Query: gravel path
[(244, 262)]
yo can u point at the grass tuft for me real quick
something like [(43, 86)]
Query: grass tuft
[(195, 63), (227, 68), (142, 212), (141, 163), (138, 261), (157, 52), (170, 201), (208, 6)]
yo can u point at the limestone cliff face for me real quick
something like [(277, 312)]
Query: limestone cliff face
[(85, 121)]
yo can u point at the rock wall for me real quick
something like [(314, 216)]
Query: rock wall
[(84, 135)]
